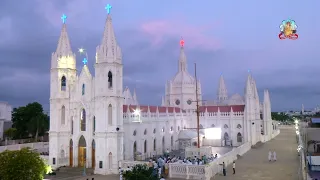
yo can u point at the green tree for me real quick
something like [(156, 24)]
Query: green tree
[(10, 133), (140, 172), (22, 164), (29, 120), (280, 116)]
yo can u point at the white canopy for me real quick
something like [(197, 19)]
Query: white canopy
[(188, 134)]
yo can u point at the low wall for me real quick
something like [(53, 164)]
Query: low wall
[(207, 171), (40, 147), (194, 151), (126, 164)]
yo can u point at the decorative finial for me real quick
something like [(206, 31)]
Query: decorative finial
[(108, 8), (182, 42), (85, 61), (64, 18)]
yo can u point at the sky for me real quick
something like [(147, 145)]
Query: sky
[(222, 37)]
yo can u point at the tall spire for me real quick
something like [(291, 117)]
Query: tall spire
[(248, 89), (64, 47), (108, 50), (222, 90), (135, 97), (182, 59)]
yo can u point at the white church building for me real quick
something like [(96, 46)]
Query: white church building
[(95, 122)]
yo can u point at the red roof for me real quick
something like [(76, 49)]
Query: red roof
[(153, 109), (235, 108)]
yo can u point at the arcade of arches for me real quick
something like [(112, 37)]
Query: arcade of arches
[(154, 146)]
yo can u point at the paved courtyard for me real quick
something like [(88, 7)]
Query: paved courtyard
[(254, 165)]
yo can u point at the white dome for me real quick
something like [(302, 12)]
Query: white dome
[(183, 77), (236, 99)]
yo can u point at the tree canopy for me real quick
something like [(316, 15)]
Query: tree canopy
[(22, 164), (140, 172), (29, 121), (280, 116)]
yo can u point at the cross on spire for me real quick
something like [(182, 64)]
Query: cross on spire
[(182, 42), (85, 61), (108, 8), (64, 18)]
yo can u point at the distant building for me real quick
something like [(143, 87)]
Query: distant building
[(5, 117)]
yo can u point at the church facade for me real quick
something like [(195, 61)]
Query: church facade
[(97, 124)]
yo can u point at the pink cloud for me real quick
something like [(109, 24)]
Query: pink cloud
[(194, 36)]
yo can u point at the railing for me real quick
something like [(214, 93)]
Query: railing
[(125, 164), (207, 171)]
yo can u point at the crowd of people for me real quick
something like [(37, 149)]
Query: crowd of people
[(160, 164)]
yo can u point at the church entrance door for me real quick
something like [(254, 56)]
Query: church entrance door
[(71, 153), (82, 152), (93, 154)]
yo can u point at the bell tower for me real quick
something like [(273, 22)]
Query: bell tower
[(109, 101), (62, 77)]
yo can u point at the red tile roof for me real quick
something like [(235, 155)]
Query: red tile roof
[(162, 109), (235, 108), (153, 109)]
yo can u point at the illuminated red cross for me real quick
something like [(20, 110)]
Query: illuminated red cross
[(181, 42)]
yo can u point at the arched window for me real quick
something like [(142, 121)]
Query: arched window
[(145, 146), (239, 126), (178, 128), (154, 131), (63, 83), (226, 136), (171, 129), (239, 137), (225, 126), (110, 114), (110, 79), (83, 120), (154, 145), (162, 129), (212, 125), (134, 133), (171, 141), (94, 124), (63, 115), (145, 132), (83, 89), (71, 124)]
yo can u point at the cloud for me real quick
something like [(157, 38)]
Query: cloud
[(194, 36)]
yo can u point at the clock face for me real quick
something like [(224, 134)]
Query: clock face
[(189, 101), (177, 102)]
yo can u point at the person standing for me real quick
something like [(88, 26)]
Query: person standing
[(159, 172), (274, 156), (270, 156), (224, 171), (234, 167), (121, 173)]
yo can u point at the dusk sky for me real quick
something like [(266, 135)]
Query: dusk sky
[(222, 37)]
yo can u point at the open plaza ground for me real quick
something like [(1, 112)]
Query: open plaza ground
[(254, 165)]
